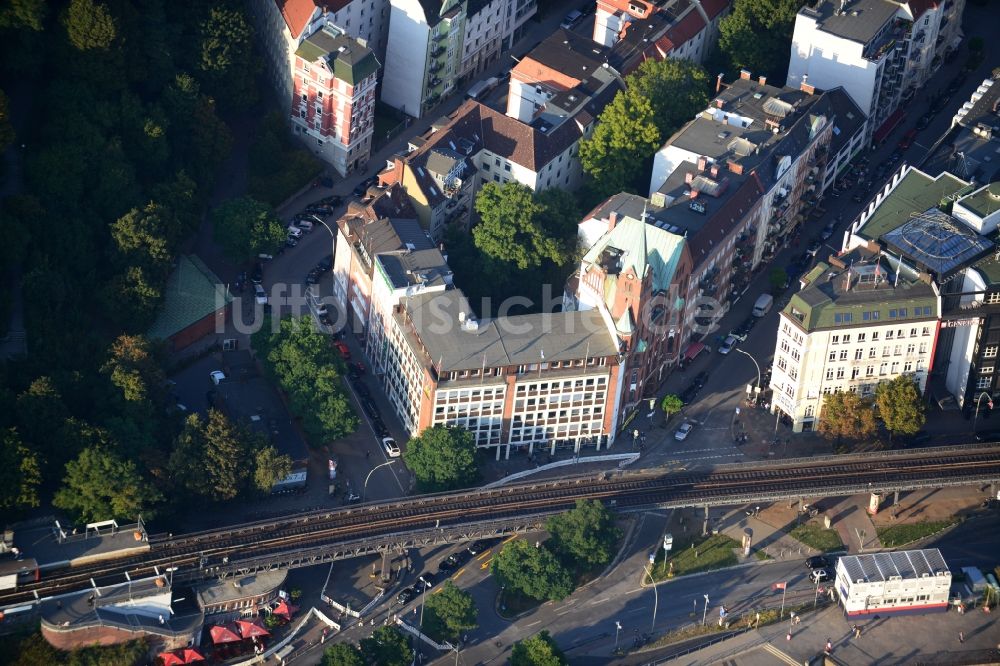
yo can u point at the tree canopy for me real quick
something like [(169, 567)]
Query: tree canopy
[(585, 535), (677, 90), (625, 137), (846, 415), (442, 458), (899, 405), (756, 34), (539, 650), (90, 25), (302, 362), (20, 473), (534, 572), (387, 646), (342, 654), (671, 404), (518, 228), (100, 485), (245, 228), (449, 612)]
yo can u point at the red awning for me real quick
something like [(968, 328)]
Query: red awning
[(285, 609), (890, 124), (249, 629), (191, 655), (224, 634), (693, 350), (171, 659)]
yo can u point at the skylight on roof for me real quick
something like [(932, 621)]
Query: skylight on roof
[(776, 107)]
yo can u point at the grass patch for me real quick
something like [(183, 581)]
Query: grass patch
[(898, 535), (702, 554), (817, 538), (761, 555)]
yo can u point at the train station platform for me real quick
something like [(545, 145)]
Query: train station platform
[(54, 546)]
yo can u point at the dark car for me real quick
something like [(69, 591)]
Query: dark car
[(700, 379), (447, 566), (406, 596), (370, 408), (312, 277), (324, 265), (425, 582), (332, 200), (363, 186), (477, 547), (924, 122), (817, 562), (258, 274), (908, 139)]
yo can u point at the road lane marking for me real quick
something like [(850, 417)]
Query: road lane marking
[(486, 564), (458, 573)]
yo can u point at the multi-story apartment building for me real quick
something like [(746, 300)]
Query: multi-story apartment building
[(478, 144), (670, 29), (282, 25), (881, 51), (975, 138), (333, 99), (435, 45), (741, 178), (634, 275), (859, 320), (522, 382)]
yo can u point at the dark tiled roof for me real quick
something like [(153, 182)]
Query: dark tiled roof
[(570, 54), (860, 22), (347, 58)]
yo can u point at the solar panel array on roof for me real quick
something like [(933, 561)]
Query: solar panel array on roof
[(906, 565), (937, 241)]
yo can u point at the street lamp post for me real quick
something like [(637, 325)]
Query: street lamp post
[(704, 615), (756, 365), (618, 629), (978, 401), (656, 594), (365, 488)]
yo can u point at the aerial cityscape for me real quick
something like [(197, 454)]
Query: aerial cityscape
[(395, 332)]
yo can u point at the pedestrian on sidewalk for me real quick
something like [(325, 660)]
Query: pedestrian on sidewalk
[(961, 637), (829, 647)]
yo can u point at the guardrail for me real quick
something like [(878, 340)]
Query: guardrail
[(861, 455), (622, 458)]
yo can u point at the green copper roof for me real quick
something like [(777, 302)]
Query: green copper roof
[(347, 58), (193, 292), (643, 246), (984, 201)]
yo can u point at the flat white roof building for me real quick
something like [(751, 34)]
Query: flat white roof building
[(904, 582)]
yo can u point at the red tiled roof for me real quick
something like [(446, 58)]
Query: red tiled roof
[(298, 12), (687, 28), (715, 7)]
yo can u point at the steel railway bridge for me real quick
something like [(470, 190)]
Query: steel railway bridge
[(315, 537)]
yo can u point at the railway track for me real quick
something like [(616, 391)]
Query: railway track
[(629, 491)]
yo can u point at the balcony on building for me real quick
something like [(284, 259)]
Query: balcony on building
[(437, 51)]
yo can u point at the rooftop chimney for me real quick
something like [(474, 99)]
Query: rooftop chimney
[(745, 74), (762, 80), (718, 83), (688, 177), (612, 220), (735, 167), (702, 163), (719, 103), (806, 88), (715, 170)]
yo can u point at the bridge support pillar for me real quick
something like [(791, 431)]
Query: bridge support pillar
[(552, 451), (895, 500), (704, 528)]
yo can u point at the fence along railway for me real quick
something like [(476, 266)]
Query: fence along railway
[(321, 536)]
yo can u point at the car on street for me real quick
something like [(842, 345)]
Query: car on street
[(908, 139), (217, 377), (257, 276), (406, 596), (445, 568), (814, 248), (827, 231), (480, 546), (362, 187), (390, 447), (924, 122), (681, 433), (294, 232), (728, 344), (324, 265), (371, 409), (817, 562), (305, 225), (819, 575), (259, 294), (425, 582), (291, 242), (312, 277), (342, 348)]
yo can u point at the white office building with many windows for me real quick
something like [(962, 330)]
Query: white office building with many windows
[(855, 323)]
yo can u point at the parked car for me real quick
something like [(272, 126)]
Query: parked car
[(446, 567), (324, 265), (294, 232), (814, 248), (344, 351), (291, 242), (570, 20), (312, 277), (217, 377), (728, 344), (305, 225), (332, 200), (390, 447), (819, 575), (817, 562), (259, 294), (908, 139), (426, 581), (406, 596), (480, 546), (681, 433), (827, 231), (258, 273), (924, 122)]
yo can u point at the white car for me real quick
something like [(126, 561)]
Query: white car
[(217, 377), (681, 434), (294, 231), (727, 344), (259, 294), (390, 447)]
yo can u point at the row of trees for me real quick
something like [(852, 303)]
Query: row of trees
[(303, 364), (847, 415), (581, 540), (34, 650)]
